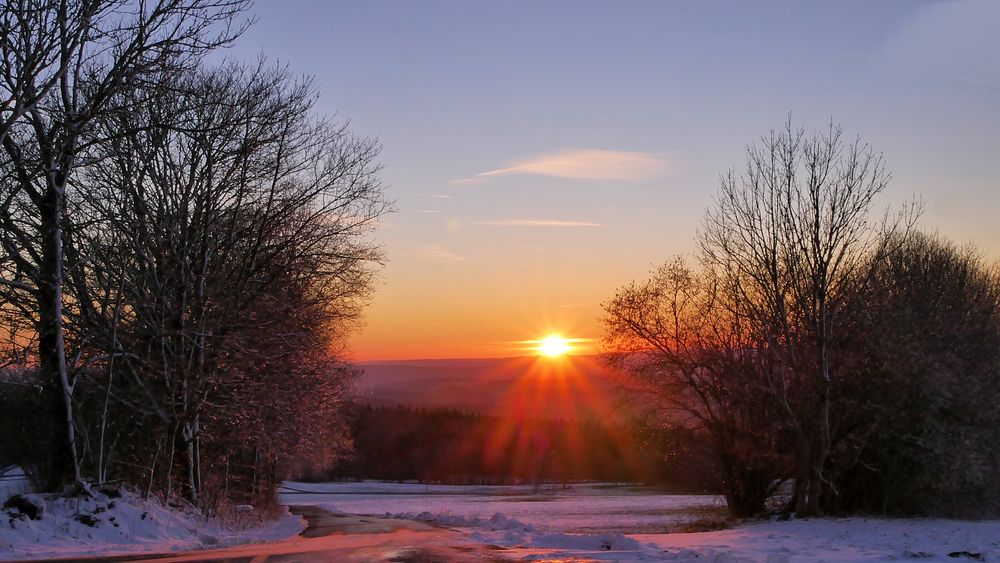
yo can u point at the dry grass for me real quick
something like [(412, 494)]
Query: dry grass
[(245, 516), (707, 519)]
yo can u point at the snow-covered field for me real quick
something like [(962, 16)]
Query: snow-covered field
[(577, 509), (837, 539), (127, 524), (580, 523), (590, 523)]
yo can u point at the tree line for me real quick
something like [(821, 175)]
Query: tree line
[(819, 339), (183, 246), (447, 446)]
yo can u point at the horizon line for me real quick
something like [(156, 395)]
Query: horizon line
[(460, 358)]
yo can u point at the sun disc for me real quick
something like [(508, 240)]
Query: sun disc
[(553, 346)]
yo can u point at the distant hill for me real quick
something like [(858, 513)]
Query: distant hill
[(569, 387)]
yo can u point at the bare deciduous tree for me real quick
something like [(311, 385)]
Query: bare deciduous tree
[(790, 238), (785, 250), (64, 64), (229, 241), (677, 337)]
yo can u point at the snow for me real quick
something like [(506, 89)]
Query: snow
[(103, 525), (596, 522), (13, 481), (581, 508), (582, 523), (837, 539), (517, 534), (800, 541)]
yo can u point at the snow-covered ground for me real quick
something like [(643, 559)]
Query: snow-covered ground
[(127, 524), (843, 539), (591, 523), (590, 508), (13, 481), (582, 523)]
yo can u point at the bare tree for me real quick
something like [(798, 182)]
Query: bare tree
[(229, 239), (791, 238), (35, 37), (687, 353), (64, 64)]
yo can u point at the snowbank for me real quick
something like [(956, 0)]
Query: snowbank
[(497, 522), (837, 539), (512, 533), (796, 541), (122, 523), (13, 481)]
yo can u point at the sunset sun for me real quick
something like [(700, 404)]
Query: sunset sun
[(553, 346)]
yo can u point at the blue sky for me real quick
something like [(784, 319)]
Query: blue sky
[(605, 126)]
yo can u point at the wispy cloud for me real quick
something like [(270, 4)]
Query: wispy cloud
[(439, 255), (588, 164), (436, 196), (426, 211), (466, 181), (538, 223)]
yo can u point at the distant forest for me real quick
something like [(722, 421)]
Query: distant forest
[(454, 447)]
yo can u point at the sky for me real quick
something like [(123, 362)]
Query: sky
[(544, 153)]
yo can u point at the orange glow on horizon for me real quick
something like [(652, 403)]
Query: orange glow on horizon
[(517, 331), (479, 315)]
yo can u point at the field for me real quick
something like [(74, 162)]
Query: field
[(578, 509), (620, 523), (592, 522)]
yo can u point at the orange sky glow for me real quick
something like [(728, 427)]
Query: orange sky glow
[(538, 166)]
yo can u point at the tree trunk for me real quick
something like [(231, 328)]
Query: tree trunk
[(822, 452), (189, 445), (822, 449), (802, 487), (51, 342)]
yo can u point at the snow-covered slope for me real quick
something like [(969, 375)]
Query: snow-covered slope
[(104, 525)]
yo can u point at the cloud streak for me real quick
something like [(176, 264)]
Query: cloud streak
[(538, 223), (466, 181), (588, 164), (439, 255)]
